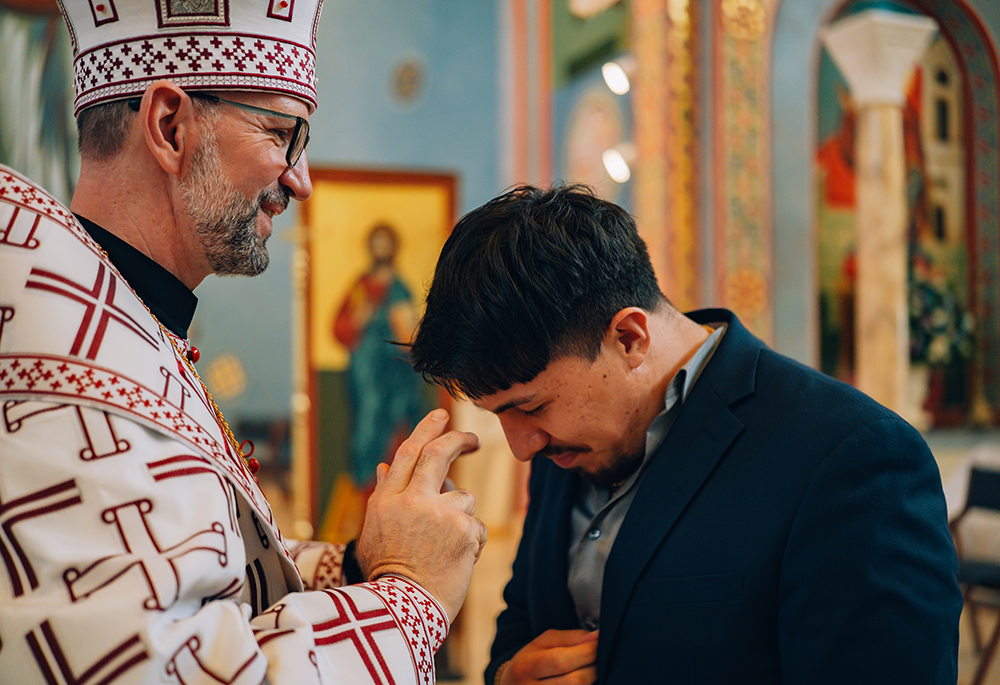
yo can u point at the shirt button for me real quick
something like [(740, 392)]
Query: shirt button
[(590, 624), (594, 533)]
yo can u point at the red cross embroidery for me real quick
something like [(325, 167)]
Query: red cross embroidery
[(191, 465), (6, 314), (96, 425), (144, 552), (54, 664), (99, 307), (20, 229), (421, 621), (57, 378), (136, 398), (46, 501), (146, 58), (20, 192), (189, 667), (359, 627), (329, 570)]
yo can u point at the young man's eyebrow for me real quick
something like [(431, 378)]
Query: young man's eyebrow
[(511, 404)]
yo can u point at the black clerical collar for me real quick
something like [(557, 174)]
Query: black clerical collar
[(170, 300)]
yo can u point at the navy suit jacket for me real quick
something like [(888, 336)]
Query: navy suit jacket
[(788, 530)]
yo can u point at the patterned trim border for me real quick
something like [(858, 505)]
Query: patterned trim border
[(743, 194), (201, 60), (19, 191), (422, 620), (666, 112), (67, 380)]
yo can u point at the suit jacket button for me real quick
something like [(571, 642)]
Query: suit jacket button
[(594, 534)]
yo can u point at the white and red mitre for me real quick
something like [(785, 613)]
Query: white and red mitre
[(120, 47), (135, 544)]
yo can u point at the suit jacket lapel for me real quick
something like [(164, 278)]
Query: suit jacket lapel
[(550, 567), (704, 429)]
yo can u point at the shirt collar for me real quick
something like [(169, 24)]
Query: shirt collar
[(696, 364), (680, 387), (168, 299), (677, 391)]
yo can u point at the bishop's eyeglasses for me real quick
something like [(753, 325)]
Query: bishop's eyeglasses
[(296, 144)]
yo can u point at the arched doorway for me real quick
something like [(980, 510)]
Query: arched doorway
[(950, 122)]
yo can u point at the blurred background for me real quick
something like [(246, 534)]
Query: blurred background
[(829, 170)]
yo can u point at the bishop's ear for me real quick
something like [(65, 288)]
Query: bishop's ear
[(629, 334), (167, 116)]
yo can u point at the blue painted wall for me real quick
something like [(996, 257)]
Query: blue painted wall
[(452, 127)]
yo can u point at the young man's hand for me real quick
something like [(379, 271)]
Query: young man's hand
[(559, 657)]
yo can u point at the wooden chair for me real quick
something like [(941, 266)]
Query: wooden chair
[(979, 573)]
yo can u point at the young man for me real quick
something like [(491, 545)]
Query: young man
[(702, 509), (137, 546)]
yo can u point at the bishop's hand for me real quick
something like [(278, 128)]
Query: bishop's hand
[(415, 530)]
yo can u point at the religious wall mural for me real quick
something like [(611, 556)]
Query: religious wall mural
[(385, 396), (372, 239), (942, 316)]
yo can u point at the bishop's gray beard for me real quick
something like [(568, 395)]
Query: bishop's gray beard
[(225, 220)]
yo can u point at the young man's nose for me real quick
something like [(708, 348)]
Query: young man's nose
[(524, 438)]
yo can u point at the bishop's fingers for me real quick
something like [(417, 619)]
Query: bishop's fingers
[(430, 427), (463, 500), (436, 457)]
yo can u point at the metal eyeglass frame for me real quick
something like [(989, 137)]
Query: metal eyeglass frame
[(301, 132)]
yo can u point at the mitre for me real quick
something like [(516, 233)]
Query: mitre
[(120, 47)]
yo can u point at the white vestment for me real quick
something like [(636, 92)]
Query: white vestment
[(136, 546)]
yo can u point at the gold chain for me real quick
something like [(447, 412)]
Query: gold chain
[(187, 361), (211, 400)]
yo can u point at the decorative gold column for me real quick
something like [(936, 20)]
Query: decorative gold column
[(876, 51), (664, 114), (742, 195)]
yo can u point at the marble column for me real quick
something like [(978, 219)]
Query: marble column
[(876, 51)]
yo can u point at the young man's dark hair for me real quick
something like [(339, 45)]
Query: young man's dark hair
[(531, 276)]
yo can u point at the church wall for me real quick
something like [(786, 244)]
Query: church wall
[(796, 52), (454, 126), (451, 127)]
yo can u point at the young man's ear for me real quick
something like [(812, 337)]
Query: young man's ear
[(167, 116), (629, 334)]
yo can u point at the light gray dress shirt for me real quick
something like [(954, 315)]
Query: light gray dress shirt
[(598, 512)]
